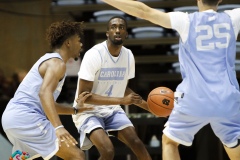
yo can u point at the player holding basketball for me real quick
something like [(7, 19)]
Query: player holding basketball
[(105, 71), (31, 119), (209, 92)]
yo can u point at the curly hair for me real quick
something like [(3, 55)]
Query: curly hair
[(58, 32)]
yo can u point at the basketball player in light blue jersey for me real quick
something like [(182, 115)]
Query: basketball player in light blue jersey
[(105, 71), (31, 119), (209, 92)]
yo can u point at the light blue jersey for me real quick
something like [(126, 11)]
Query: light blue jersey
[(27, 92), (209, 92), (207, 61), (24, 120)]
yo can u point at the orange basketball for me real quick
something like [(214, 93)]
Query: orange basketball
[(160, 101)]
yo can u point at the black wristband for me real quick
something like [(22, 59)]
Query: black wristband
[(75, 110)]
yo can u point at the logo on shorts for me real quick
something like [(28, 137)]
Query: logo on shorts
[(166, 101), (18, 155)]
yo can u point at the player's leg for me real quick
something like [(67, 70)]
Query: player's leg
[(169, 149), (70, 153), (180, 129), (130, 138), (92, 133), (228, 131), (119, 125), (103, 144), (233, 153)]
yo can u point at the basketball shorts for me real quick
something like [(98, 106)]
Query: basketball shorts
[(182, 128), (39, 140), (118, 120)]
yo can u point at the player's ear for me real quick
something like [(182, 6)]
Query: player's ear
[(67, 42), (107, 34), (126, 35)]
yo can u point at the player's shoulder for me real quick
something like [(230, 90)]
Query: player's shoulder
[(126, 50), (233, 12), (99, 48), (96, 49), (179, 19), (56, 63), (50, 58)]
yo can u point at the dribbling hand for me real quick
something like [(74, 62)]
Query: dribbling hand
[(132, 98)]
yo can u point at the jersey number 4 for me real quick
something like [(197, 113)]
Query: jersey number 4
[(109, 91), (202, 42)]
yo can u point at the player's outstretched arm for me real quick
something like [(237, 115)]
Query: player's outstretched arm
[(140, 10)]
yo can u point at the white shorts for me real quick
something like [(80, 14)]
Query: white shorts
[(114, 122), (182, 128)]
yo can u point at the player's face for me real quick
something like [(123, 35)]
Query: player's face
[(117, 32), (76, 46)]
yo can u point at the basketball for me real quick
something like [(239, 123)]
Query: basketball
[(161, 101)]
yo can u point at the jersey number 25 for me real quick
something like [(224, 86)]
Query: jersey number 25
[(212, 32)]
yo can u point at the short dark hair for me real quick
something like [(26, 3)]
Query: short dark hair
[(120, 17), (58, 32), (210, 2)]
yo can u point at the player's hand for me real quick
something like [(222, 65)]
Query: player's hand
[(82, 97), (80, 102), (64, 137), (132, 98)]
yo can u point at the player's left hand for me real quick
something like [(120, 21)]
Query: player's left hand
[(65, 137), (132, 98)]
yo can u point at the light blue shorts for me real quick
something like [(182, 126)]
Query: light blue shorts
[(114, 122), (182, 128), (36, 135)]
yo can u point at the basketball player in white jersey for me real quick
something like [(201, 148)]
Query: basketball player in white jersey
[(209, 92), (31, 119), (105, 71)]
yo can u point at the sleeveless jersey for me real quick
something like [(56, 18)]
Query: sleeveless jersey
[(28, 90), (111, 79), (207, 62)]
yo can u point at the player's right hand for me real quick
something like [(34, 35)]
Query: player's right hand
[(80, 102), (132, 98), (64, 137), (82, 97)]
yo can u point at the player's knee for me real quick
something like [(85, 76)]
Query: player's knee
[(168, 141), (74, 154), (107, 153), (135, 141), (106, 150), (78, 156)]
